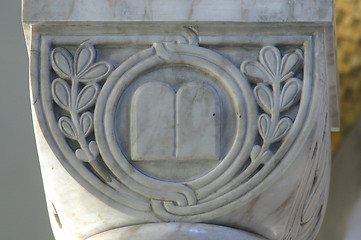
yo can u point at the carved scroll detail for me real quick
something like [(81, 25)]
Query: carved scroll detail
[(309, 206)]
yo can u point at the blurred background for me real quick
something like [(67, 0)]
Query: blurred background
[(23, 213)]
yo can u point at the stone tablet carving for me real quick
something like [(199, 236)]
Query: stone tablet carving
[(167, 125), (198, 122), (152, 122)]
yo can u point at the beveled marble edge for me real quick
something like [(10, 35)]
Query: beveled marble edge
[(176, 231), (175, 10), (332, 78)]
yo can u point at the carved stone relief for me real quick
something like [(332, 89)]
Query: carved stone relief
[(176, 101), (179, 128), (82, 74)]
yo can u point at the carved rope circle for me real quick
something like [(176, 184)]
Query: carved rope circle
[(186, 194)]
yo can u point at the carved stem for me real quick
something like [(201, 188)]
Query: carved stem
[(75, 117), (74, 113), (275, 115)]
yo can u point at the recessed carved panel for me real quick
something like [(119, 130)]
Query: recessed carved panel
[(174, 130)]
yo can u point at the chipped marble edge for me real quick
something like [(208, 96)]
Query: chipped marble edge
[(175, 10)]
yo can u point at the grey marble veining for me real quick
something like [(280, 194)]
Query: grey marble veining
[(173, 10)]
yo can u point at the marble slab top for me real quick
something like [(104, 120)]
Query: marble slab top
[(314, 11)]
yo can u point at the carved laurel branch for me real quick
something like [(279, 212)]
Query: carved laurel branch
[(75, 91), (277, 90)]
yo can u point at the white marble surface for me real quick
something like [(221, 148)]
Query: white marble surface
[(182, 125), (221, 199), (175, 231), (151, 140), (74, 212), (209, 123), (174, 10), (198, 122), (247, 12)]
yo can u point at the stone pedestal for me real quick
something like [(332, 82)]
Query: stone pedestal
[(191, 119)]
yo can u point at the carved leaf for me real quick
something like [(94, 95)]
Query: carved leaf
[(290, 93), (62, 62), (264, 123), (80, 154), (67, 128), (61, 93), (93, 147), (291, 64), (254, 71), (83, 58), (87, 96), (95, 72), (282, 128), (270, 57), (255, 152), (264, 97), (86, 123)]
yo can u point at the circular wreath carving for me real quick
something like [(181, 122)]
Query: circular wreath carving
[(184, 198)]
